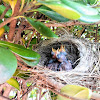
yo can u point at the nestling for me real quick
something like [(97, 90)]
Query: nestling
[(59, 60)]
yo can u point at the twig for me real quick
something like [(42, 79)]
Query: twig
[(18, 34), (3, 98), (40, 91), (16, 14), (43, 94), (24, 89), (7, 21), (13, 22), (96, 36), (30, 38), (7, 91), (3, 14), (28, 90)]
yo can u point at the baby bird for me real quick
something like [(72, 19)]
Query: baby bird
[(65, 65), (53, 66), (61, 57), (59, 60)]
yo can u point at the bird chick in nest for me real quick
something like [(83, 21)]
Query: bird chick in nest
[(59, 60)]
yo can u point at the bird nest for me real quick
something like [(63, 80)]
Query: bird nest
[(85, 58)]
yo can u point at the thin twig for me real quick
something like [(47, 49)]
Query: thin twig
[(4, 98), (3, 14), (29, 88), (96, 34), (30, 38), (18, 34)]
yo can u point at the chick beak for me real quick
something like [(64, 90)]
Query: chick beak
[(55, 53), (62, 48)]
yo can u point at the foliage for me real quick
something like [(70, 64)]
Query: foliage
[(13, 82), (8, 64), (25, 22), (75, 91)]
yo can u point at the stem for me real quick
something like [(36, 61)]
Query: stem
[(30, 39), (18, 34), (13, 22), (96, 36), (12, 29), (3, 14), (7, 21)]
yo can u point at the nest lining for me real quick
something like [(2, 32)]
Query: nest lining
[(79, 52), (85, 56)]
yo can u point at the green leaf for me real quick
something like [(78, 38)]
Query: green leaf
[(52, 14), (8, 64), (31, 63), (21, 51), (13, 82), (22, 74), (99, 33), (86, 10), (2, 9), (41, 28), (34, 41), (89, 19), (92, 2), (75, 91), (62, 9), (81, 1)]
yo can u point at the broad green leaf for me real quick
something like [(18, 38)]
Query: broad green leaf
[(21, 51), (31, 63), (52, 14), (2, 9), (12, 3), (86, 10), (8, 64), (62, 9), (92, 2), (13, 82), (89, 19), (81, 1), (22, 74), (75, 91), (41, 28)]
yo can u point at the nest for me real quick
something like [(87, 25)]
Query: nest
[(85, 58)]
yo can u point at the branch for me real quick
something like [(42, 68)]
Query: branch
[(30, 38), (7, 21), (12, 29), (3, 14), (7, 90), (13, 22), (18, 34), (3, 98)]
